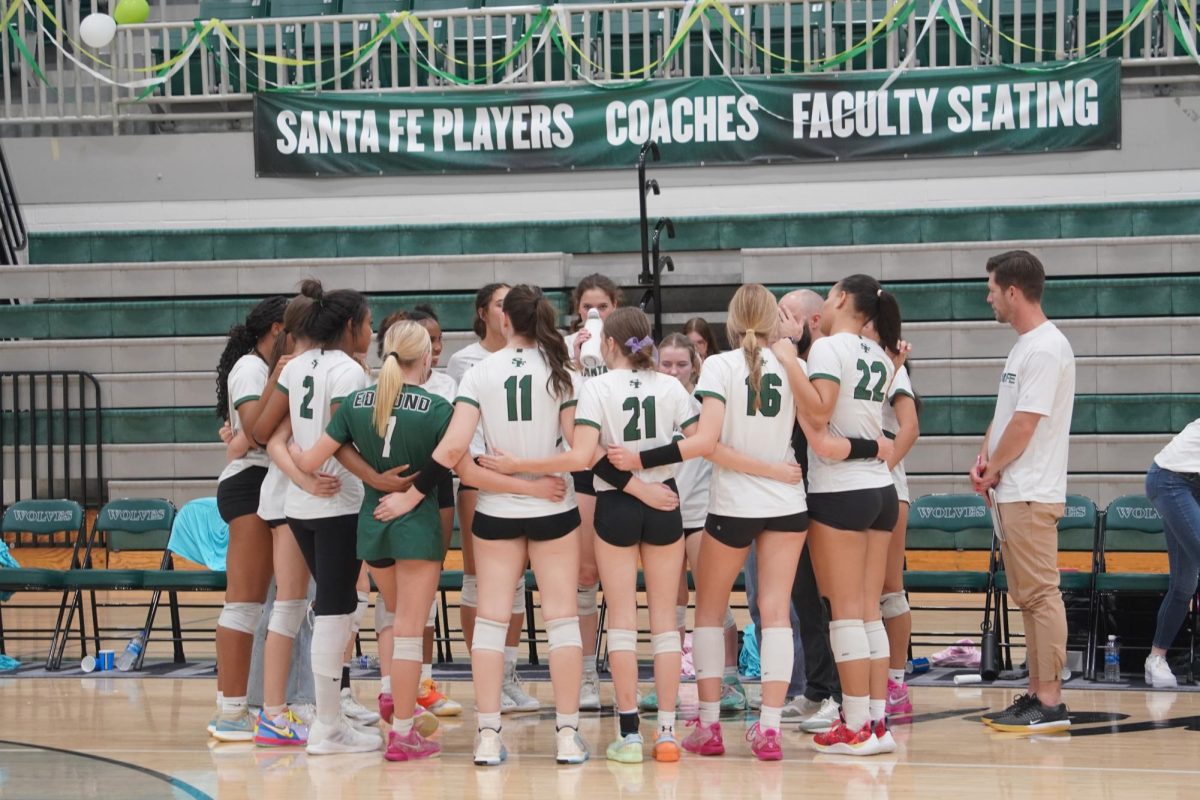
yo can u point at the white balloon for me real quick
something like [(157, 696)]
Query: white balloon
[(97, 30)]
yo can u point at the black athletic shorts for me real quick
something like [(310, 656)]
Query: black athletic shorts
[(238, 494), (445, 491), (275, 523), (856, 509), (689, 531), (537, 529), (623, 521), (740, 532), (584, 483)]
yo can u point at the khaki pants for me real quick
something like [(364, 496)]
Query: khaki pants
[(1030, 551)]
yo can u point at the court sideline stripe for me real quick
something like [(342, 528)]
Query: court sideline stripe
[(176, 783)]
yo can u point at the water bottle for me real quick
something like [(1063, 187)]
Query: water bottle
[(129, 655), (917, 666), (365, 662), (589, 355), (1112, 660)]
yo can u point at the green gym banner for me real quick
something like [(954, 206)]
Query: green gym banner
[(696, 121)]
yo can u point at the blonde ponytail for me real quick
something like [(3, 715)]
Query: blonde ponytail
[(753, 318), (405, 343)]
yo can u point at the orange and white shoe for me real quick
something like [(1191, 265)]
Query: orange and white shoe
[(841, 740), (436, 703)]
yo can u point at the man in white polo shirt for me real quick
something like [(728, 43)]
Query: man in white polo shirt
[(1024, 458)]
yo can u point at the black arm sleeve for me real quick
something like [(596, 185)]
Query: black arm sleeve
[(430, 477), (617, 478), (661, 456), (863, 448)]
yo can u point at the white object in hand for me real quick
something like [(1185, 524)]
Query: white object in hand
[(590, 357)]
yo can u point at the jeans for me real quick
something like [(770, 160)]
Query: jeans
[(1176, 496), (796, 687)]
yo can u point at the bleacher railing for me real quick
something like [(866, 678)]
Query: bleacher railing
[(13, 236), (51, 439), (209, 69)]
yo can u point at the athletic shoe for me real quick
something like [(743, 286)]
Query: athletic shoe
[(649, 702), (436, 703), (798, 709), (387, 707), (883, 736), (356, 711), (733, 697), (340, 737), (1035, 718), (412, 747), (764, 743), (841, 740), (627, 749), (512, 697), (571, 747), (489, 748), (424, 722), (705, 740), (898, 701), (824, 718), (212, 723), (665, 747), (589, 692), (239, 728), (282, 731), (1158, 673), (1018, 705), (305, 712)]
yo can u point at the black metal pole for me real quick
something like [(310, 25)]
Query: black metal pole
[(659, 263), (644, 188)]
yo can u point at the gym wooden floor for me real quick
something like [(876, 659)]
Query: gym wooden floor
[(142, 738)]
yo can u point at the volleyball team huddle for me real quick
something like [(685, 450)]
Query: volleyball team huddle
[(657, 459)]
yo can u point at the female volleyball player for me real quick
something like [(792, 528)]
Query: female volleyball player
[(854, 507), (900, 423), (601, 294), (701, 335), (395, 423), (525, 396), (751, 398), (489, 319), (311, 387), (242, 390), (429, 697)]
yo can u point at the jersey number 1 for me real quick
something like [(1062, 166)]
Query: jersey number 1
[(642, 412), (519, 389), (387, 437)]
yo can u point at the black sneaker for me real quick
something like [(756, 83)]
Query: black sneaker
[(1034, 718), (1018, 705)]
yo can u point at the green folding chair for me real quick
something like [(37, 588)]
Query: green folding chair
[(42, 519), (134, 525)]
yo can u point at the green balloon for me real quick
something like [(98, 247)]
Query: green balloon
[(131, 12)]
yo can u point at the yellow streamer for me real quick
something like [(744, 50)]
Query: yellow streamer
[(1119, 31)]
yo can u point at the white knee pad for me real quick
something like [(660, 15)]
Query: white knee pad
[(893, 604), (431, 620), (624, 640), (708, 652), (663, 643), (777, 655), (563, 633), (470, 592), (489, 635), (384, 619), (408, 648), (585, 600), (877, 639), (241, 617), (329, 637), (287, 616), (729, 623), (848, 640), (360, 611), (680, 616), (518, 606)]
